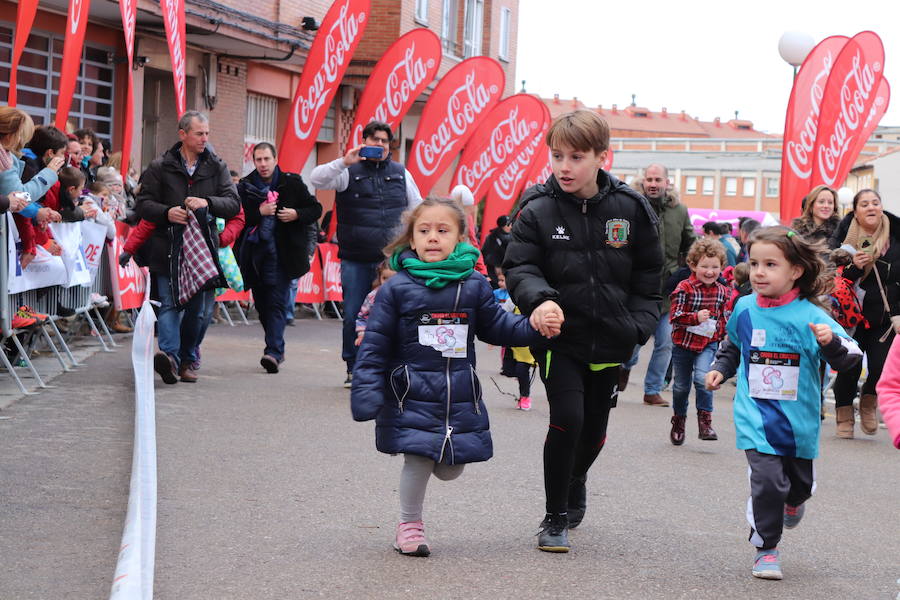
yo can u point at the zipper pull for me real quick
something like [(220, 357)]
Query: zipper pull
[(584, 206), (449, 431)]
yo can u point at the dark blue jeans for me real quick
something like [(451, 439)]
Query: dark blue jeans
[(180, 331), (691, 366), (272, 303), (356, 281)]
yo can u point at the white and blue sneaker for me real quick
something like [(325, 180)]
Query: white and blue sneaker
[(766, 565), (792, 515)]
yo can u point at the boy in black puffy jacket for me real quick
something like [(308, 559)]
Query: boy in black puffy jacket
[(584, 250)]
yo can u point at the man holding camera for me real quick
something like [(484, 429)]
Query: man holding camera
[(372, 193)]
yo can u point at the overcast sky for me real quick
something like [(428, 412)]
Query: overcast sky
[(706, 57)]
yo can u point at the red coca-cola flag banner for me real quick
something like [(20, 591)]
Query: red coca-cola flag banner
[(129, 283), (456, 108), (328, 59), (331, 274), (879, 107), (128, 8), (540, 170), (24, 20), (76, 25), (403, 72), (508, 129), (505, 188), (801, 124), (849, 97), (310, 287), (173, 18), (608, 163)]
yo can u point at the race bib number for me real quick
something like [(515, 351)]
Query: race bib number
[(774, 375), (446, 332), (707, 328)]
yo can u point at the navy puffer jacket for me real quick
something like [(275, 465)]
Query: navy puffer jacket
[(423, 402)]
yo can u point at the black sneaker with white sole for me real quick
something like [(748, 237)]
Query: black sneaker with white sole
[(349, 381), (554, 533)]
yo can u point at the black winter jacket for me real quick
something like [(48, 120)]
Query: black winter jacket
[(599, 259), (494, 248), (425, 403), (888, 268), (166, 184), (292, 240)]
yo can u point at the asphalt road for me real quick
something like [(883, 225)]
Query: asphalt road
[(268, 489)]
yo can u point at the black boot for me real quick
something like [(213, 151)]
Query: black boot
[(554, 534), (577, 500)]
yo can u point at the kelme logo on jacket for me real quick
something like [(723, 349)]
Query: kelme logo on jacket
[(617, 232), (560, 234)]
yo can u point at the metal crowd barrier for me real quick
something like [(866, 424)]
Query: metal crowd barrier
[(21, 343)]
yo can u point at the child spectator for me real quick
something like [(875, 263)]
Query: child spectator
[(383, 272), (740, 287), (521, 362), (698, 323), (501, 295), (415, 371), (776, 338), (584, 253)]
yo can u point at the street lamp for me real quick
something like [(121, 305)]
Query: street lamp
[(794, 46), (845, 198)]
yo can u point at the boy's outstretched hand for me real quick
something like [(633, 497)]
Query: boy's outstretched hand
[(547, 319), (714, 379), (823, 333)]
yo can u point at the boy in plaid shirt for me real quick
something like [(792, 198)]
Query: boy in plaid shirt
[(698, 323)]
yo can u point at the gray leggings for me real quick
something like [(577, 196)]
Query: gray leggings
[(414, 479)]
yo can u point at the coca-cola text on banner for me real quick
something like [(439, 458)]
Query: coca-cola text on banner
[(76, 25), (507, 130), (24, 20), (801, 124), (128, 8), (173, 18), (849, 96), (328, 59), (403, 72), (879, 107), (457, 106)]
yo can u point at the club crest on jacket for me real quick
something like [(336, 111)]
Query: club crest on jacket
[(617, 232)]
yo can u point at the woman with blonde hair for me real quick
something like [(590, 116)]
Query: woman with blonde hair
[(820, 215), (16, 128)]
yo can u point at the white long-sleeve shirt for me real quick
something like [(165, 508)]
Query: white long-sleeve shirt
[(334, 175)]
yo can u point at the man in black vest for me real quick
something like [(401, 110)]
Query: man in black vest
[(372, 193)]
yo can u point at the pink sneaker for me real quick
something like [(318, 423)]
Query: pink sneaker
[(411, 539), (524, 403)]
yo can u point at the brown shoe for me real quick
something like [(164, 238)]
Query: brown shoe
[(188, 375), (623, 378), (677, 433), (165, 366), (844, 418), (868, 419), (704, 425), (269, 363), (655, 400), (120, 328)]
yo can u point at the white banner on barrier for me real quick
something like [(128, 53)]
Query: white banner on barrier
[(68, 236), (43, 271), (133, 579), (93, 237)]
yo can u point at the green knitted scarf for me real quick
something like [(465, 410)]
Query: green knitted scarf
[(437, 275)]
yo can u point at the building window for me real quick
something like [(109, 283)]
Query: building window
[(474, 24), (749, 187), (422, 11), (448, 25), (326, 133), (771, 187), (505, 21), (690, 185), (708, 186), (93, 100), (731, 186), (261, 114)]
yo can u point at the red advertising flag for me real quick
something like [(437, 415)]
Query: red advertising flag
[(456, 108), (76, 25), (128, 8), (129, 283), (173, 18), (310, 287), (328, 58), (801, 124), (331, 273), (24, 20), (608, 163), (540, 171), (849, 97), (505, 188), (508, 129), (879, 107), (403, 72)]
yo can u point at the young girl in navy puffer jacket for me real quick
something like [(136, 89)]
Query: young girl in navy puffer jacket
[(415, 371)]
